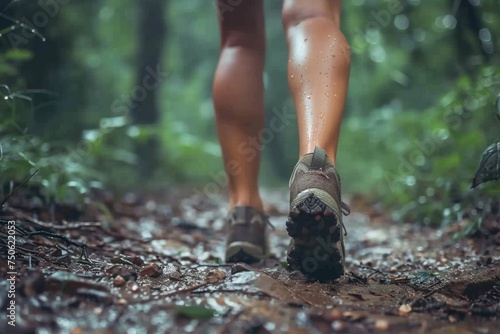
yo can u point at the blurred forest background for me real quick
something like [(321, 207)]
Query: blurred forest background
[(116, 94)]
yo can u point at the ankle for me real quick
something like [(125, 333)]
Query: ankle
[(253, 201), (330, 153)]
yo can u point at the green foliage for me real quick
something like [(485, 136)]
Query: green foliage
[(419, 110), (489, 166), (62, 177), (429, 157), (9, 59)]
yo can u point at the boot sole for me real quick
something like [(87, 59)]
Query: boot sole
[(241, 251), (316, 233)]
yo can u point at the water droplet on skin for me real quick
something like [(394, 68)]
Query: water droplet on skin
[(335, 95), (43, 39), (329, 36), (33, 30), (323, 59), (321, 115), (291, 76), (308, 97), (327, 95)]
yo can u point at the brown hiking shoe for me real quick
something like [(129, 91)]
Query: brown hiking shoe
[(247, 239), (315, 218)]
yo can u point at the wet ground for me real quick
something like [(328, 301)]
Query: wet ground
[(154, 266)]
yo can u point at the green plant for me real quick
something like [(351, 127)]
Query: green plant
[(421, 162)]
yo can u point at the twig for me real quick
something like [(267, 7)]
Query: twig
[(249, 293), (210, 265), (423, 296), (186, 290), (54, 226), (84, 253), (16, 188), (376, 271), (173, 293)]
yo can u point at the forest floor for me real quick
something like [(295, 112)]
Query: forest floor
[(152, 265)]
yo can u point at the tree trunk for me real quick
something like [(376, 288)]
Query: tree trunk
[(145, 109)]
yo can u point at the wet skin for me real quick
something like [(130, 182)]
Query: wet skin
[(318, 74)]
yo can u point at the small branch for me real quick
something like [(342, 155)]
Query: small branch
[(84, 253), (54, 226), (16, 188)]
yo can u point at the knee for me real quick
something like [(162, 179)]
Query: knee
[(244, 39), (243, 26), (296, 12)]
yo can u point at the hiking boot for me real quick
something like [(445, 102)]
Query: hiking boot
[(246, 230), (315, 218)]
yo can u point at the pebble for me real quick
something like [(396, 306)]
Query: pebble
[(126, 273), (118, 281), (339, 326), (381, 325), (404, 309), (151, 270), (215, 276), (335, 314), (137, 260)]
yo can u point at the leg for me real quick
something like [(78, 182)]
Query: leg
[(239, 98), (318, 66), (239, 109)]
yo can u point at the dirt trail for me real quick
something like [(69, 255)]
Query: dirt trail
[(154, 268)]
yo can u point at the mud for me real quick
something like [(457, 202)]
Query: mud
[(154, 266)]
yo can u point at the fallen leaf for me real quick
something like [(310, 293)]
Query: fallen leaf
[(152, 270), (195, 312), (215, 276)]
